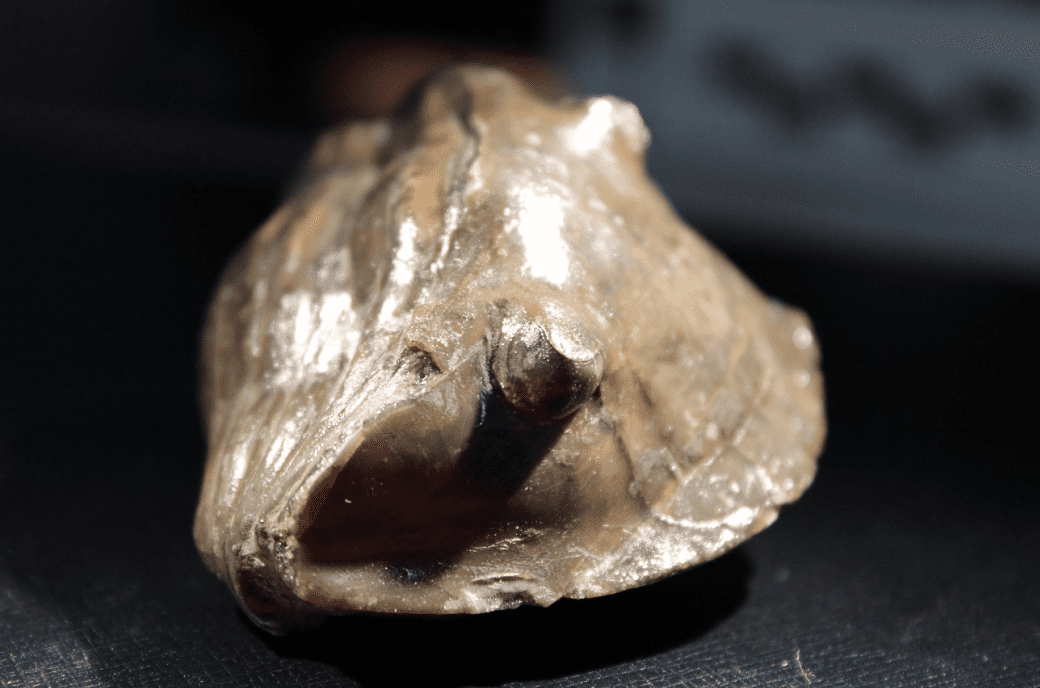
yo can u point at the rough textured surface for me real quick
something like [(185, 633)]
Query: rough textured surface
[(476, 361)]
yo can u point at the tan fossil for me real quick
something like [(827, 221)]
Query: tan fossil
[(476, 361)]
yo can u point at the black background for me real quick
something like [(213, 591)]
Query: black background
[(912, 561)]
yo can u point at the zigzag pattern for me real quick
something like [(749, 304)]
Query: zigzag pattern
[(985, 103)]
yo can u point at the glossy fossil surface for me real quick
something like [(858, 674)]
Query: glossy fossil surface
[(476, 361)]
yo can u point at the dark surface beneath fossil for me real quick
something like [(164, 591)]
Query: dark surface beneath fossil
[(910, 562)]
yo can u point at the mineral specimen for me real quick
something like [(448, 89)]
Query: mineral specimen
[(476, 361)]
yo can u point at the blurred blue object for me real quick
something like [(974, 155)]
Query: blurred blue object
[(906, 128)]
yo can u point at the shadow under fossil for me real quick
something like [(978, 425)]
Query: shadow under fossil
[(529, 643)]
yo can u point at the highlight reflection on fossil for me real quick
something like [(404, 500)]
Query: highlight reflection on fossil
[(476, 361)]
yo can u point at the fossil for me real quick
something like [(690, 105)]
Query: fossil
[(476, 361)]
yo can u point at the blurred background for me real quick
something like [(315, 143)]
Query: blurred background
[(868, 126), (874, 162)]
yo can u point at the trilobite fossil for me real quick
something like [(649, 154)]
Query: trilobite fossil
[(476, 361)]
